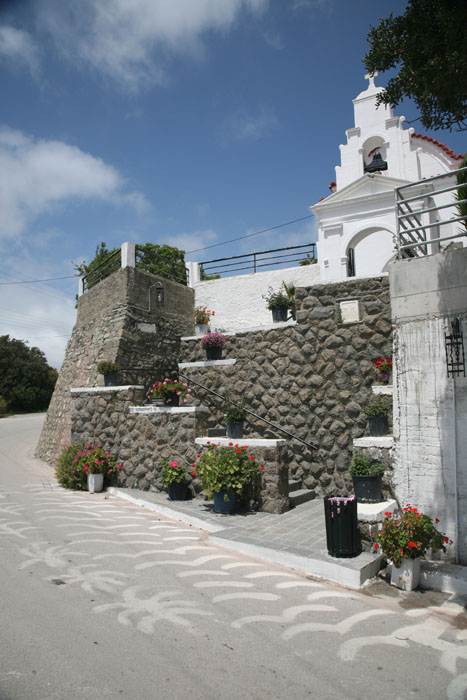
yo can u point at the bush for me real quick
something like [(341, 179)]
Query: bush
[(105, 367), (227, 469), (3, 406), (409, 536), (378, 407), (80, 459), (362, 466)]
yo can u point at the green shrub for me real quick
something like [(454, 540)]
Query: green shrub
[(362, 466), (106, 367), (378, 407), (80, 459), (3, 406), (66, 467)]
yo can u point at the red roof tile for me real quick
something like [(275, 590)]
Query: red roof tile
[(445, 148)]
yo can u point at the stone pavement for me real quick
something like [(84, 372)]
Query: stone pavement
[(296, 539)]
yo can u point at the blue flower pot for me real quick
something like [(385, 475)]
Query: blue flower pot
[(224, 505)]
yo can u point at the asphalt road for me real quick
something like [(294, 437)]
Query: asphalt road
[(103, 599)]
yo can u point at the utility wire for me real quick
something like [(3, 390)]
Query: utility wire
[(249, 235), (50, 279)]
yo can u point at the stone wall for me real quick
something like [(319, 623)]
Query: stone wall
[(118, 320), (312, 379), (142, 438)]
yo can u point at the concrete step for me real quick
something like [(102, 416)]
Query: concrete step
[(300, 496), (294, 485)]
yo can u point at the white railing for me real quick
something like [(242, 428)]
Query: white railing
[(427, 214)]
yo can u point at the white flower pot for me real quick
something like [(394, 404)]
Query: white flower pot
[(95, 483), (407, 576)]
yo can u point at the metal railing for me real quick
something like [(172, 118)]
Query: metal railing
[(419, 218), (251, 413), (111, 263), (252, 262)]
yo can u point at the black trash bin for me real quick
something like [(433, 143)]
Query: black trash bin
[(341, 526)]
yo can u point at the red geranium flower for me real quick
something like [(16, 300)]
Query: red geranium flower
[(411, 544)]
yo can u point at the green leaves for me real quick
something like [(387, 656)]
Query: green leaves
[(427, 43)]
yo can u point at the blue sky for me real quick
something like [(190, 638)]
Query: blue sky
[(187, 122)]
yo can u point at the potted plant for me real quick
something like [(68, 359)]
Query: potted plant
[(290, 293), (202, 316), (235, 416), (225, 472), (110, 371), (168, 392), (367, 475), (213, 343), (383, 370), (175, 478), (404, 539), (278, 302), (85, 465), (378, 411)]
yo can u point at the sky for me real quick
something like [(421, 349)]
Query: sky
[(185, 122)]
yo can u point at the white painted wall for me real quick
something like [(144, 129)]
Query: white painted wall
[(357, 202), (237, 301), (430, 409)]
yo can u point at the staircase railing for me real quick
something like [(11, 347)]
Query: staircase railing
[(251, 413)]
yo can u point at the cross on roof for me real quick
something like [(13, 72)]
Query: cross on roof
[(371, 79)]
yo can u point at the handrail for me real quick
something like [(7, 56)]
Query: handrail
[(252, 260), (247, 410), (113, 259)]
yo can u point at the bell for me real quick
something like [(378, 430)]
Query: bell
[(376, 164)]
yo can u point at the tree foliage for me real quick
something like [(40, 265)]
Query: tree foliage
[(163, 260), (428, 46), (26, 380)]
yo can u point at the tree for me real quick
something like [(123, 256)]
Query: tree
[(428, 46), (26, 380), (163, 260)]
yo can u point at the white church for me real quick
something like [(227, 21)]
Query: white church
[(357, 222)]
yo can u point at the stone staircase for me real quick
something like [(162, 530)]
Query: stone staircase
[(298, 495)]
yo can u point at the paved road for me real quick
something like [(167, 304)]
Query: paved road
[(103, 599)]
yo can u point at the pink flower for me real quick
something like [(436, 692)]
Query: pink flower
[(119, 466), (96, 461), (174, 464), (73, 471), (86, 468), (76, 460)]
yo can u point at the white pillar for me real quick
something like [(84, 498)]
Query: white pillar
[(80, 286), (194, 275), (128, 255)]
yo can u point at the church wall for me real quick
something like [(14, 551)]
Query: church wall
[(237, 301), (430, 408)]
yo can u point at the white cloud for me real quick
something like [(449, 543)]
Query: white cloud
[(37, 313), (247, 126), (37, 176), (18, 47), (274, 39), (193, 241), (132, 41)]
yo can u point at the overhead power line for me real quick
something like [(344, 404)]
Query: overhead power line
[(49, 279), (249, 235)]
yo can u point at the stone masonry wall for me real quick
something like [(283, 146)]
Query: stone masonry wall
[(142, 441), (313, 379), (118, 320)]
